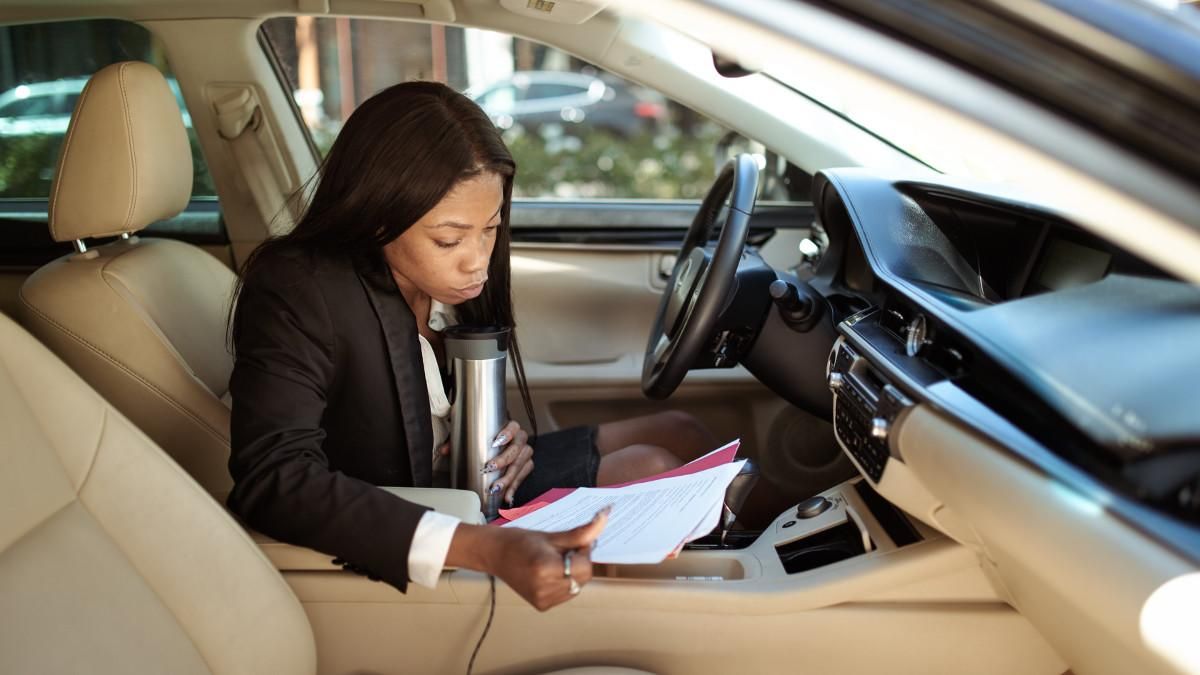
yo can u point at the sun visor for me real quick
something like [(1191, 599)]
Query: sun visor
[(558, 11)]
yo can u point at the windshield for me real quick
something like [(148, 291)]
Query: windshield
[(891, 115)]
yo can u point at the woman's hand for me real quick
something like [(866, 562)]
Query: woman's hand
[(530, 562), (516, 461)]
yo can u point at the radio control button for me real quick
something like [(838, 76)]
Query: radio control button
[(880, 428)]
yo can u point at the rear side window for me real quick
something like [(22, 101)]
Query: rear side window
[(43, 70)]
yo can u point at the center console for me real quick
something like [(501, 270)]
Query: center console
[(866, 407), (847, 521)]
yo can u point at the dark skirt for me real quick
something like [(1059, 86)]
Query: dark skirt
[(564, 458)]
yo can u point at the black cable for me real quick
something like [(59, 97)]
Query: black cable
[(487, 627)]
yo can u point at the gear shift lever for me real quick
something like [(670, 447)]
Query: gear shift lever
[(735, 495)]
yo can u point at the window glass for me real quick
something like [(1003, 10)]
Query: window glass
[(574, 130), (43, 69), (537, 91), (498, 98)]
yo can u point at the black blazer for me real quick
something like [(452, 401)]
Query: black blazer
[(329, 400)]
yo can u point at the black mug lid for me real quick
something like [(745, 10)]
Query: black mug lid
[(500, 334)]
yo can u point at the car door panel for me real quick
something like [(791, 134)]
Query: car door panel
[(587, 282)]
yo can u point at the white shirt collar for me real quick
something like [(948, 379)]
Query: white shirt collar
[(441, 316)]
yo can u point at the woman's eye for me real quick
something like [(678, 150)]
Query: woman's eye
[(445, 244)]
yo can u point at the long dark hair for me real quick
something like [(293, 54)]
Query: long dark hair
[(398, 155)]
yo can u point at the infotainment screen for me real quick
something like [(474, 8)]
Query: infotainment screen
[(1065, 264)]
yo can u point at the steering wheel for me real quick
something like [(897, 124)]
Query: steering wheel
[(702, 281)]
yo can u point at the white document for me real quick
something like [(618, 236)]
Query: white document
[(649, 521)]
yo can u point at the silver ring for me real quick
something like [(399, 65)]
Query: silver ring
[(567, 566), (575, 587)]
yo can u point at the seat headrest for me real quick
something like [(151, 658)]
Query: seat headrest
[(126, 161)]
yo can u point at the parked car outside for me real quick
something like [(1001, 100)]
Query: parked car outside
[(34, 117), (539, 97), (45, 107)]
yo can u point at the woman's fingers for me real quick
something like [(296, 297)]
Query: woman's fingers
[(523, 469), (444, 449), (553, 585), (533, 564), (516, 438), (584, 535), (523, 457), (581, 566), (505, 435)]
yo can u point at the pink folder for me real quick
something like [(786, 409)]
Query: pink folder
[(722, 455)]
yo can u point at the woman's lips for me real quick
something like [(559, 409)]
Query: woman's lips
[(472, 291)]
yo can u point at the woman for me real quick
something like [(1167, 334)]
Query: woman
[(337, 384)]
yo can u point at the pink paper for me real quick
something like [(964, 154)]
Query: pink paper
[(722, 455)]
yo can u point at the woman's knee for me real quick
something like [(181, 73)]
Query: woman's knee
[(634, 462), (686, 427), (657, 459)]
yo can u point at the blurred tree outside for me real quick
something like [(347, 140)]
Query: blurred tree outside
[(29, 159), (28, 163), (666, 164)]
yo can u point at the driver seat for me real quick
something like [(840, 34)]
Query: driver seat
[(142, 320)]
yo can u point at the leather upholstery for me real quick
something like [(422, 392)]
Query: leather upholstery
[(111, 559), (143, 321), (126, 161)]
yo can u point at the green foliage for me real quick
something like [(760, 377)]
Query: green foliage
[(27, 165), (666, 164), (594, 162), (28, 162)]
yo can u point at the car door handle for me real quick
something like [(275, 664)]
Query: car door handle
[(666, 265)]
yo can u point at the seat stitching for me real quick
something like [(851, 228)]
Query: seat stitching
[(145, 314), (124, 368), (133, 177), (41, 522), (66, 151), (146, 580), (57, 455), (187, 483), (95, 451), (37, 420)]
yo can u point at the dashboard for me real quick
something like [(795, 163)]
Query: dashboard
[(1000, 313)]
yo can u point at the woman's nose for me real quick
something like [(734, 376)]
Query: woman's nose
[(481, 254)]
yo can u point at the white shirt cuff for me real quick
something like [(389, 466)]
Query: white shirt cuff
[(430, 544)]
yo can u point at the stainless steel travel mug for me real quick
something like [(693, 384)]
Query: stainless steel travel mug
[(478, 356)]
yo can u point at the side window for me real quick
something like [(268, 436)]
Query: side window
[(45, 68), (575, 131)]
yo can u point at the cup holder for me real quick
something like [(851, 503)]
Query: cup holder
[(823, 548)]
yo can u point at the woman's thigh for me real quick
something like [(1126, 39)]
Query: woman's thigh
[(678, 432)]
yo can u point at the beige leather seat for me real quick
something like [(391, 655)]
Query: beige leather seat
[(111, 559), (142, 320)]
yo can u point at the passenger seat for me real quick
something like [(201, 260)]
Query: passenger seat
[(142, 320), (111, 559)]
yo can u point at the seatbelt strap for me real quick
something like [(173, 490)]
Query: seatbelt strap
[(239, 121)]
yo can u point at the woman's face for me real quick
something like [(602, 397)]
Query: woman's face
[(445, 254)]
